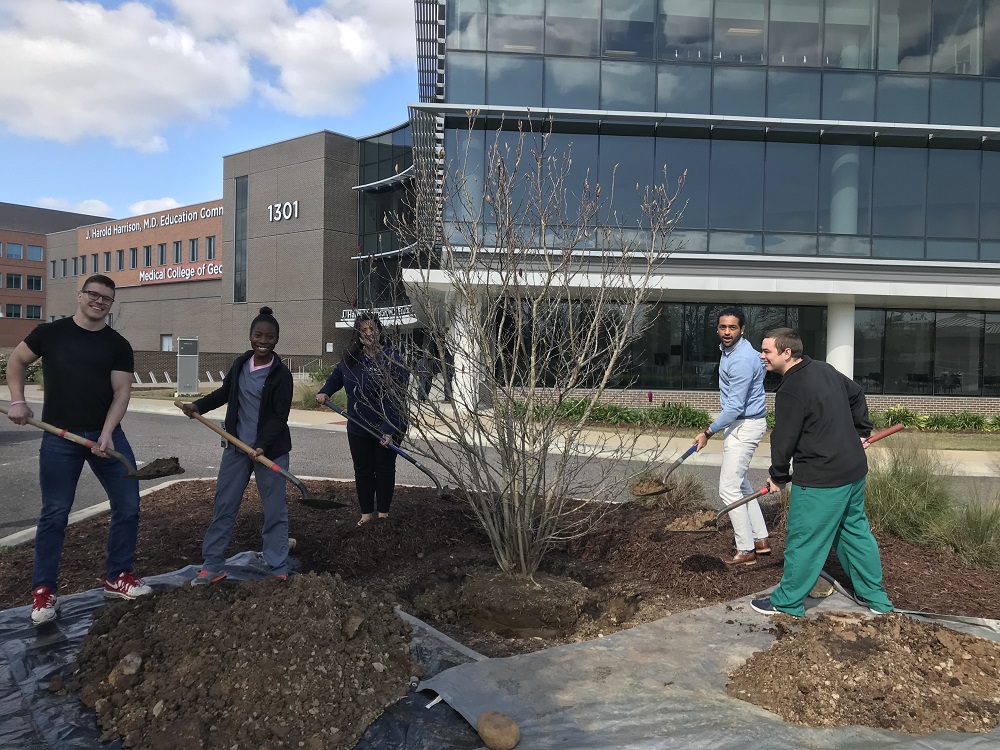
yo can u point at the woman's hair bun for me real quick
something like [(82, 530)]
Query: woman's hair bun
[(266, 310)]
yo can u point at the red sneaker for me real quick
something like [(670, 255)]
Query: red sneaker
[(44, 606), (126, 586)]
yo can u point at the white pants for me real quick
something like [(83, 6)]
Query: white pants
[(741, 439)]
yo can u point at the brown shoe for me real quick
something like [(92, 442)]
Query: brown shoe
[(762, 546), (741, 558)]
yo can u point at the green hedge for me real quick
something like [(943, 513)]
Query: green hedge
[(665, 415), (33, 374)]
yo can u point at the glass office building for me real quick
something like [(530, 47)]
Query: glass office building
[(842, 158)]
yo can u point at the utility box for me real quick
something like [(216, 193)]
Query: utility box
[(187, 367)]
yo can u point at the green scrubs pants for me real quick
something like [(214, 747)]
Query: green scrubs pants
[(821, 518)]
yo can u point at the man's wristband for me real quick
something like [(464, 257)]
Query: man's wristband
[(708, 434), (15, 403)]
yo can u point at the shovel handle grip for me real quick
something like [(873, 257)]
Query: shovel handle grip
[(74, 438), (884, 433), (743, 501)]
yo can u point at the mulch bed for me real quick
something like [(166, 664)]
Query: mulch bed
[(635, 569)]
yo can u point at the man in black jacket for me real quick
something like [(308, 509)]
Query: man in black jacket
[(820, 423)]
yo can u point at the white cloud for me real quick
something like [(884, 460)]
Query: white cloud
[(92, 206), (152, 205), (77, 70)]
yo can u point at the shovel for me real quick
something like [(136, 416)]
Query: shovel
[(642, 489), (764, 490), (161, 467), (306, 500), (391, 446)]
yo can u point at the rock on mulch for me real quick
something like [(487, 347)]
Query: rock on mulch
[(888, 672), (310, 663)]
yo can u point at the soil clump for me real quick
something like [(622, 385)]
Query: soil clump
[(702, 520), (308, 662), (887, 672)]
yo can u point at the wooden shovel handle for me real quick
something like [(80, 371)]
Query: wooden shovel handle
[(232, 439), (74, 438)]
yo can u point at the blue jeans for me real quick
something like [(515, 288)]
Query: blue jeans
[(60, 463), (234, 476)]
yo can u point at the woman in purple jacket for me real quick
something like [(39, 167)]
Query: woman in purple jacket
[(375, 380)]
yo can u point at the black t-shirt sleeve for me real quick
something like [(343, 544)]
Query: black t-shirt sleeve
[(37, 338), (124, 358)]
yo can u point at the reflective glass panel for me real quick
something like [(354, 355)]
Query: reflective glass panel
[(465, 80), (991, 41), (952, 250), (657, 355), (516, 25), (34, 252), (740, 31), (898, 195), (904, 35), (953, 193), (991, 355), (625, 174), (848, 96), (573, 27), (889, 247), (735, 242), (514, 79), (629, 28), (701, 347), (955, 41), (793, 94), (869, 337), (848, 39), (685, 30), (683, 241), (465, 153), (674, 157), (467, 24), (956, 101), (738, 91), (573, 84), (989, 251), (902, 98), (811, 325), (15, 250), (736, 185), (991, 101), (628, 86), (793, 34), (909, 348), (577, 154), (989, 206), (845, 180), (844, 245), (958, 349), (791, 176), (790, 244), (684, 89)]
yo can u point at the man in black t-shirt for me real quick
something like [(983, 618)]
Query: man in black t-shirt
[(88, 382)]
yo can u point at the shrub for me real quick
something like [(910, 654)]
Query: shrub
[(907, 490), (993, 424), (307, 397), (972, 530), (878, 419), (666, 415), (32, 375), (906, 417), (321, 373)]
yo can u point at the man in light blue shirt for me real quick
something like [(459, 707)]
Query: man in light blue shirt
[(743, 422)]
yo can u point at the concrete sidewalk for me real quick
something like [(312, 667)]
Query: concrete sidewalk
[(959, 463)]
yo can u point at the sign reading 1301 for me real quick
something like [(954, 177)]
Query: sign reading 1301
[(283, 211)]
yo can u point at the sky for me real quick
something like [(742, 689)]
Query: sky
[(122, 108)]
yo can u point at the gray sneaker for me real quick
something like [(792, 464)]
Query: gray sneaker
[(206, 577)]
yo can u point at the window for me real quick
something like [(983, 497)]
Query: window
[(93, 262), (673, 157), (899, 190), (15, 251), (82, 260), (793, 35), (467, 24), (166, 342), (909, 351), (35, 252), (741, 31), (34, 283), (178, 257), (684, 88), (161, 254), (952, 197), (956, 41), (515, 25), (629, 28), (848, 96), (848, 41), (120, 257), (628, 86), (239, 241), (845, 180), (34, 312), (736, 185), (791, 175), (14, 281), (13, 311), (904, 35), (52, 269), (65, 265), (133, 257), (902, 98), (793, 93), (147, 256), (571, 83), (107, 261), (83, 266), (514, 79), (685, 30), (739, 91), (193, 250), (572, 27), (956, 101), (209, 247), (465, 81), (625, 169)]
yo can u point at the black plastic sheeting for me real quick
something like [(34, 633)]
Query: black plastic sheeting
[(32, 718)]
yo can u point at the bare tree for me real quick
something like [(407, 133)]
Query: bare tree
[(533, 286)]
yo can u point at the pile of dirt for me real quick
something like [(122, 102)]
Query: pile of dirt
[(698, 521), (309, 662), (888, 672)]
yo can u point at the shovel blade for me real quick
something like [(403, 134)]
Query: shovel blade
[(161, 467)]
